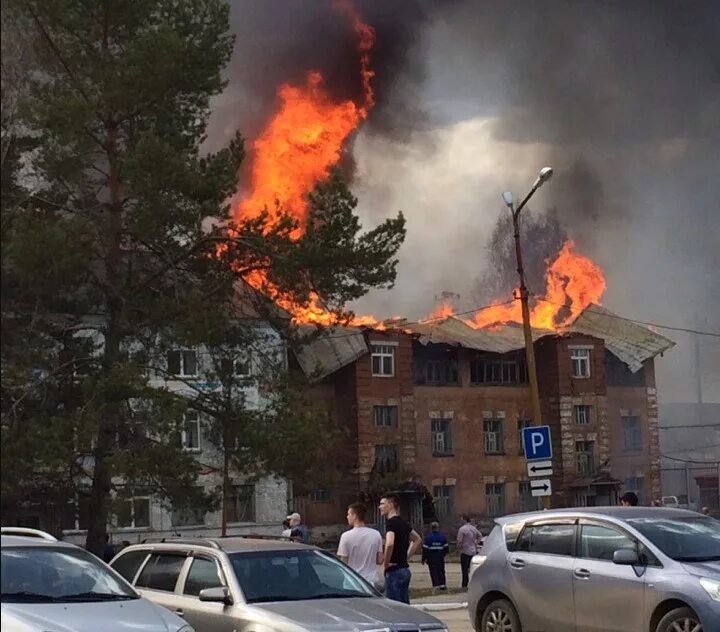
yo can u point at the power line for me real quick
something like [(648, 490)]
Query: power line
[(713, 425), (713, 334), (672, 458)]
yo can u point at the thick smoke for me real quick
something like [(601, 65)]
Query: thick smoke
[(622, 99)]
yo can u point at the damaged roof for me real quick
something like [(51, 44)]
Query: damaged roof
[(632, 343), (337, 347), (329, 350)]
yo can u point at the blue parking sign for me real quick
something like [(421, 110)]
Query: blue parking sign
[(537, 443)]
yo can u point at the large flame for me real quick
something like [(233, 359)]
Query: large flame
[(573, 282), (296, 151)]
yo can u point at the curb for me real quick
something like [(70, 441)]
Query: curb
[(440, 606)]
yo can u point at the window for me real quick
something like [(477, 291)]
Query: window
[(444, 497), (383, 360), (498, 370), (385, 416), (184, 516), (182, 362), (441, 436), (582, 415), (522, 424), (632, 433), (129, 564), (386, 461), (526, 501), (436, 372), (320, 495), (585, 451), (74, 516), (239, 367), (495, 499), (190, 435), (132, 510), (161, 572), (599, 542), (580, 362), (203, 574), (240, 504), (493, 436), (550, 539)]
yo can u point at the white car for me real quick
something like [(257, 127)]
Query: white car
[(56, 586)]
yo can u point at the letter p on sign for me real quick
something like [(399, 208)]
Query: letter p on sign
[(537, 443)]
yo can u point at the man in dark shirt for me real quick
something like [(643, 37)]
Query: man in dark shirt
[(401, 542)]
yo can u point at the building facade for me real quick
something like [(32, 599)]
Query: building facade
[(445, 405)]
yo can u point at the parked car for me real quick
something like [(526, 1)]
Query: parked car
[(51, 585), (226, 584), (610, 569)]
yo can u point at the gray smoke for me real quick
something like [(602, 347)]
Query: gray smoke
[(622, 99)]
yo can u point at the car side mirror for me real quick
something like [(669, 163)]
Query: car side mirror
[(626, 557), (216, 595)]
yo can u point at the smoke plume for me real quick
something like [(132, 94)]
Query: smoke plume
[(622, 99)]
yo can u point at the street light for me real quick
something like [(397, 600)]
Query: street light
[(545, 174)]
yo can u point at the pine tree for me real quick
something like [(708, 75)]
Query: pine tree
[(106, 266)]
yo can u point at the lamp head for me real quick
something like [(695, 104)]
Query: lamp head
[(508, 198)]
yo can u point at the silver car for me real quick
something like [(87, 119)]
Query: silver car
[(51, 585), (601, 569), (251, 585)]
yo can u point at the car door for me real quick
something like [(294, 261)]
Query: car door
[(159, 577), (609, 597), (205, 572), (541, 576)]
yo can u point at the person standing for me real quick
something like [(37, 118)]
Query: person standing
[(361, 548), (401, 543), (298, 531), (467, 545), (435, 548)]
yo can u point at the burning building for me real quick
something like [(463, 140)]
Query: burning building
[(445, 403)]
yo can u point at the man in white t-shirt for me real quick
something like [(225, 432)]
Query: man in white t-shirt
[(361, 548)]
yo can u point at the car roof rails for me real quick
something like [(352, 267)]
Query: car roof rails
[(26, 532), (183, 540)]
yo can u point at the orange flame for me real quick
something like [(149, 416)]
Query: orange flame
[(573, 282), (441, 312), (296, 151)]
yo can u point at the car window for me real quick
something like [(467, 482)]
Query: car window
[(295, 575), (203, 574), (129, 563), (161, 572), (511, 534), (599, 542), (553, 539), (58, 575), (683, 539)]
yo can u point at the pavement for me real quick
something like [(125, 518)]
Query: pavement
[(450, 607)]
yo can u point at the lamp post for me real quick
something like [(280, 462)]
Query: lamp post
[(543, 177)]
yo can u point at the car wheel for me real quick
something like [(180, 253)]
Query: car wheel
[(500, 616), (680, 620)]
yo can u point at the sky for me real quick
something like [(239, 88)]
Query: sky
[(621, 99)]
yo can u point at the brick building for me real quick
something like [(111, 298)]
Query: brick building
[(445, 404)]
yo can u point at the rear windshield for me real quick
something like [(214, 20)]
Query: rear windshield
[(58, 575), (296, 575), (682, 539)]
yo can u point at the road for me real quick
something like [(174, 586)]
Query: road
[(457, 619)]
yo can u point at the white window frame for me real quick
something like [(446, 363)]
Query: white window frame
[(182, 352), (444, 497), (587, 457), (441, 440), (498, 499), (586, 415), (580, 358), (382, 351), (132, 500), (498, 438), (184, 433)]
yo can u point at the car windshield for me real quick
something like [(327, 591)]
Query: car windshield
[(296, 575), (682, 539), (35, 574)]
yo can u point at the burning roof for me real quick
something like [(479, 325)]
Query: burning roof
[(337, 347)]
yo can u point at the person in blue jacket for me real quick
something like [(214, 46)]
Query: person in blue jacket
[(434, 550)]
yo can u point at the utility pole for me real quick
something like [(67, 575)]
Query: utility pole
[(545, 175)]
